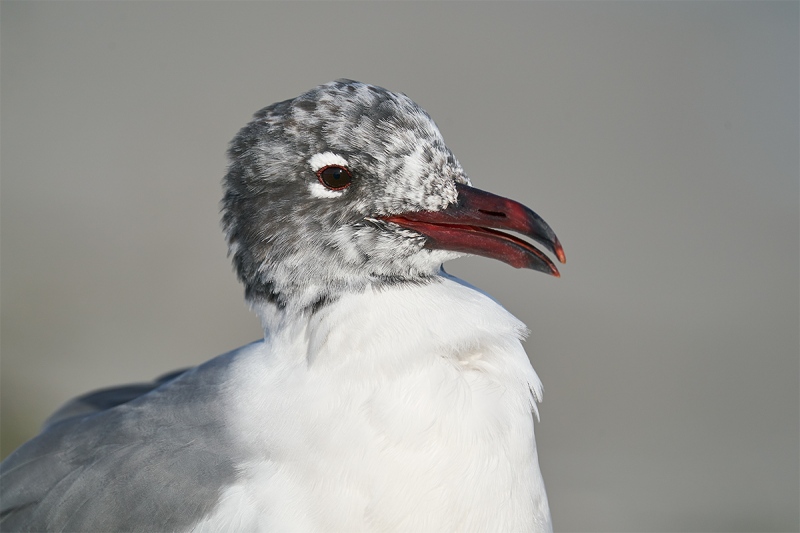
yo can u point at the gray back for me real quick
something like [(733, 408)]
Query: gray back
[(157, 462)]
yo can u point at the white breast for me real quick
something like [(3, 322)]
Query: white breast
[(391, 410)]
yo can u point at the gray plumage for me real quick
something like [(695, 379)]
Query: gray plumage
[(104, 399), (156, 462), (295, 249)]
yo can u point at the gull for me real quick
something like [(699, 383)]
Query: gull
[(385, 395)]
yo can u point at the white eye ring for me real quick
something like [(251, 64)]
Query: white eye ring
[(318, 190), (327, 159), (318, 162)]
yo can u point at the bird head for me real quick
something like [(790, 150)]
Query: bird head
[(350, 185)]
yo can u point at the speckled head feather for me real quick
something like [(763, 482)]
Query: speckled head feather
[(298, 244)]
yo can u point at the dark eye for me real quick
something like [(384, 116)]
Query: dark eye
[(334, 177)]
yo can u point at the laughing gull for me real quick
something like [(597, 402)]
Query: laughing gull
[(386, 395)]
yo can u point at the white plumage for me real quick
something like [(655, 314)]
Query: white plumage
[(395, 409)]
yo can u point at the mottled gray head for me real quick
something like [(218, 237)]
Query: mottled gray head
[(297, 242), (316, 185)]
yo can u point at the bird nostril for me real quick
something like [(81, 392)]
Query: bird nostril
[(492, 213)]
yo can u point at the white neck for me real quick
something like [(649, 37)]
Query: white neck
[(397, 409)]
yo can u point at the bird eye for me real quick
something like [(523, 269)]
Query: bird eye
[(334, 177)]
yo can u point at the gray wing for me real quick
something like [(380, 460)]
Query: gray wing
[(101, 400), (152, 457)]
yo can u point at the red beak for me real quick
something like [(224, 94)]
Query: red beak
[(469, 226)]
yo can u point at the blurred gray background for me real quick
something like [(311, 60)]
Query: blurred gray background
[(660, 140)]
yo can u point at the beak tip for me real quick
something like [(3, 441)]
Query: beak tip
[(560, 253)]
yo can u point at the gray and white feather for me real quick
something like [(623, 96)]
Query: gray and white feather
[(305, 248), (385, 394)]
